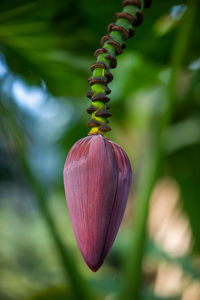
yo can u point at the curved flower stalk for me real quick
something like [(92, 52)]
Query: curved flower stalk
[(97, 172), (112, 45)]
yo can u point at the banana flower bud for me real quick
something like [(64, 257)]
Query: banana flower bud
[(97, 180)]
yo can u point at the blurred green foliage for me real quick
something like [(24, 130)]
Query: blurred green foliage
[(46, 48)]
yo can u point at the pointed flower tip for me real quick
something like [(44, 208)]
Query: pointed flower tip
[(97, 180), (93, 268)]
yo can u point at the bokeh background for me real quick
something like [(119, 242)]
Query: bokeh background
[(46, 48)]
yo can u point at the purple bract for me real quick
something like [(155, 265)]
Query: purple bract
[(97, 180)]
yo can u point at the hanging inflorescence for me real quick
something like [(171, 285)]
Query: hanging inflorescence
[(112, 45)]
